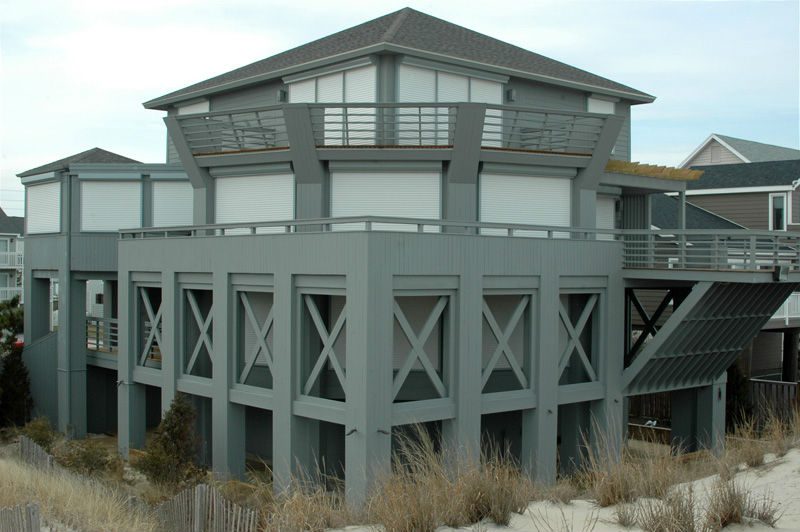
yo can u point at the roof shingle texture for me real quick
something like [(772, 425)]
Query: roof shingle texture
[(664, 215), (11, 225), (767, 174), (758, 152), (412, 29), (94, 155)]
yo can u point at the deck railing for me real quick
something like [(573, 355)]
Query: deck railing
[(657, 249), (7, 293), (11, 259), (102, 334), (790, 309), (392, 125)]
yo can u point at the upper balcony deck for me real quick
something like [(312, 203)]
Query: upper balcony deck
[(434, 127), (690, 255)]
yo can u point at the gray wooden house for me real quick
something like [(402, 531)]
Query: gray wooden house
[(11, 255), (404, 222)]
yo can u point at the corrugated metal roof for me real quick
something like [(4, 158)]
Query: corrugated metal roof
[(94, 155), (757, 152), (766, 174), (410, 30)]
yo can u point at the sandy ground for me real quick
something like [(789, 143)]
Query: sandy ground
[(778, 479)]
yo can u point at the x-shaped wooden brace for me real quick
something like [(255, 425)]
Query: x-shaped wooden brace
[(650, 327), (418, 347), (503, 336), (203, 324), (262, 331), (328, 340), (574, 332), (155, 323)]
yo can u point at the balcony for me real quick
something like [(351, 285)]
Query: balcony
[(741, 251), (11, 259), (394, 126), (8, 293)]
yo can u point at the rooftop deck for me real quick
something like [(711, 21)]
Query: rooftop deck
[(740, 251)]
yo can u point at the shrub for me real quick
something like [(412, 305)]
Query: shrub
[(88, 457), (626, 515), (15, 393), (675, 513), (40, 431), (746, 445), (169, 458), (729, 503)]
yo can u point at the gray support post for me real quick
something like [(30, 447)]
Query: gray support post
[(682, 209), (147, 201), (227, 419), (609, 420), (109, 300), (37, 306), (462, 435), (711, 415), (462, 171), (72, 355), (574, 430), (199, 177), (789, 366), (540, 425), (368, 428), (292, 446), (584, 186), (170, 351), (131, 396), (684, 420), (309, 173)]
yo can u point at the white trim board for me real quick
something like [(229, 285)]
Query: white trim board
[(705, 143)]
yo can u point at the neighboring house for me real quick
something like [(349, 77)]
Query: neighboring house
[(406, 222), (11, 255), (721, 149)]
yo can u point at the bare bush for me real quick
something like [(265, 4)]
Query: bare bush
[(729, 503), (626, 515), (675, 513)]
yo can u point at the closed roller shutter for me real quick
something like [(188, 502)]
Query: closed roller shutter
[(172, 203), (255, 199), (110, 205), (359, 86), (43, 208), (399, 194), (415, 126), (606, 215), (303, 91), (192, 108), (515, 199)]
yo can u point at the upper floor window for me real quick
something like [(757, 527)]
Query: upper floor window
[(777, 211)]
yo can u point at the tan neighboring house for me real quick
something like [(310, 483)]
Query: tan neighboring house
[(722, 149), (754, 185)]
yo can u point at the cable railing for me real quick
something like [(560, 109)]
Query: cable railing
[(424, 125), (655, 249), (102, 334)]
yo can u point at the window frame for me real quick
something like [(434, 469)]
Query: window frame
[(771, 211)]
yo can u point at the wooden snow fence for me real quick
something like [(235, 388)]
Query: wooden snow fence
[(204, 509), (32, 454), (20, 518)]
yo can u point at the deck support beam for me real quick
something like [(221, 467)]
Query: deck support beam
[(789, 367), (131, 418), (71, 369)]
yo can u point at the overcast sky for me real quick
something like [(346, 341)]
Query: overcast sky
[(73, 74)]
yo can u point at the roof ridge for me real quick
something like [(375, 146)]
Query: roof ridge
[(394, 27)]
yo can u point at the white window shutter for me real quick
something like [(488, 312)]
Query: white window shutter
[(43, 208)]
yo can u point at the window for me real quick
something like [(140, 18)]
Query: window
[(777, 211)]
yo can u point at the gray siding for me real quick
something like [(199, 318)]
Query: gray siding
[(533, 94), (748, 209), (714, 153), (794, 199), (258, 96), (622, 149)]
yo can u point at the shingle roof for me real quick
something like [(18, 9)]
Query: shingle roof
[(407, 29), (14, 225), (768, 174), (95, 155), (757, 152), (664, 215)]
